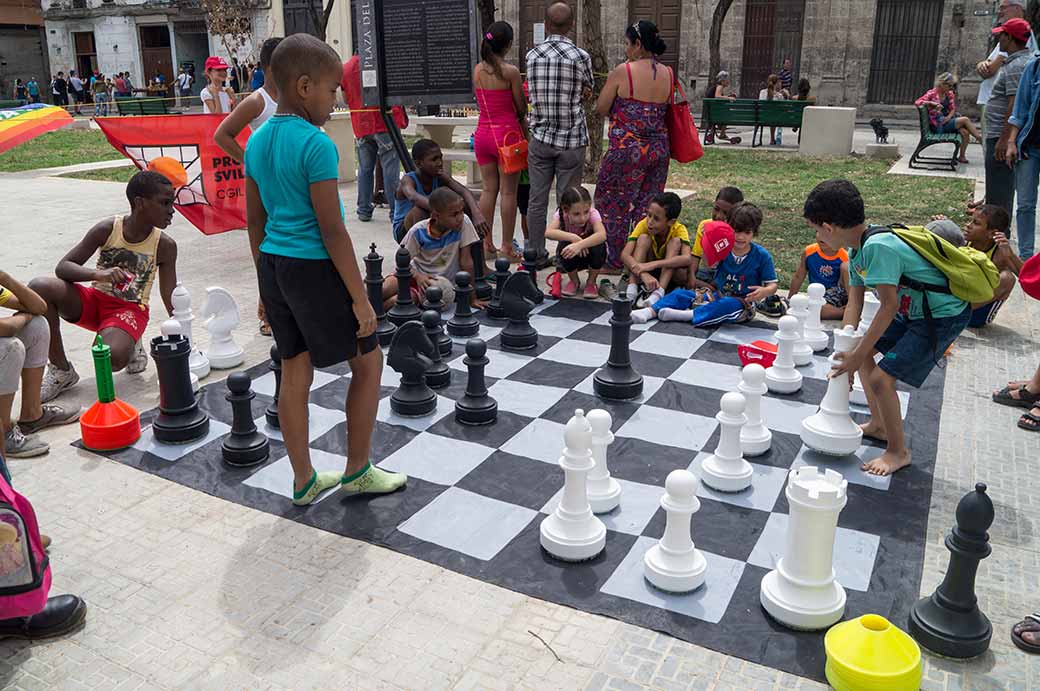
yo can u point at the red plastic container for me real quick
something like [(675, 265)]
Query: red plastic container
[(759, 352)]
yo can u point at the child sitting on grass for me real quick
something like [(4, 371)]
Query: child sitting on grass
[(412, 199), (701, 276), (657, 252), (581, 238), (987, 232), (910, 342), (829, 266), (308, 273)]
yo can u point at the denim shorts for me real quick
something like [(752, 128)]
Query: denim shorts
[(907, 347)]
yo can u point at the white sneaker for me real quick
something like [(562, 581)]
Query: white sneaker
[(138, 361), (20, 445), (56, 380)]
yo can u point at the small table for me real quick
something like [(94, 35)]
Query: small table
[(441, 130)]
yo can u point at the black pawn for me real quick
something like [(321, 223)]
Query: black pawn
[(463, 324), (435, 301), (476, 407), (410, 355), (244, 446), (180, 421), (949, 622), (617, 380), (530, 265), (438, 374), (405, 310), (374, 284), (480, 283), (518, 299), (495, 309), (271, 414)]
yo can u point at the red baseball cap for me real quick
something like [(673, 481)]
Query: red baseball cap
[(1029, 277), (716, 241), (1016, 28), (215, 62)]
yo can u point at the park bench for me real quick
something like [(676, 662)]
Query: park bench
[(11, 104), (132, 105), (473, 180), (929, 138), (754, 112)]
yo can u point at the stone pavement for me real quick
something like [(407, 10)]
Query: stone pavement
[(189, 591)]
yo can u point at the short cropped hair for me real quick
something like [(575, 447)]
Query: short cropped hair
[(301, 54), (670, 202), (423, 148), (997, 217), (267, 50), (745, 217), (837, 202), (730, 195), (146, 183), (442, 198)]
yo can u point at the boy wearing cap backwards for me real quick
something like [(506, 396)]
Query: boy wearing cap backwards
[(910, 343), (726, 199), (217, 98), (302, 251)]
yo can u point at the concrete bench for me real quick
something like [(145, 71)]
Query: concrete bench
[(473, 180)]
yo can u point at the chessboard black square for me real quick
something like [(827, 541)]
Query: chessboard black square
[(688, 398), (386, 439), (782, 451), (371, 516), (544, 343), (580, 310), (595, 333), (653, 364), (334, 394), (719, 527), (641, 461), (564, 409), (561, 374), (680, 329), (514, 479), (507, 426)]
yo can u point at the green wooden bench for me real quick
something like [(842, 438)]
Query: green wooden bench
[(11, 103), (131, 105), (748, 111), (778, 114), (929, 138)]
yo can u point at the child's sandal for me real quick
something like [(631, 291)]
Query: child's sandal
[(1029, 422)]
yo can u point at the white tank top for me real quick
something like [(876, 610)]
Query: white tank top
[(270, 106), (225, 101)]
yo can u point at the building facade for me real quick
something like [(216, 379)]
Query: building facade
[(23, 45)]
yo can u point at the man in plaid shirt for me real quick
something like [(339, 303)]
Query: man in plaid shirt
[(559, 76)]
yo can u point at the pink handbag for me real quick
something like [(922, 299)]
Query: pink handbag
[(25, 573)]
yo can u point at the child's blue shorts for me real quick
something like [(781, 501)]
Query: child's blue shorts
[(907, 349)]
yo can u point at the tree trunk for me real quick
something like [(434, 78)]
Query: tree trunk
[(321, 20), (714, 38), (592, 38), (486, 9)]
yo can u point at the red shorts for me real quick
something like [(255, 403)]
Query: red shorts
[(101, 311)]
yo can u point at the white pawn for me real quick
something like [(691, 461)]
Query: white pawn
[(803, 352), (782, 377), (674, 564), (814, 333), (726, 470), (755, 437), (571, 532), (831, 430), (871, 305), (604, 491), (198, 363), (173, 327), (221, 314)]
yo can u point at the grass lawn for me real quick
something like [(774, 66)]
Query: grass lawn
[(122, 174), (61, 148), (778, 184)]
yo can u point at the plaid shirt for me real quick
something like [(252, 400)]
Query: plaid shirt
[(557, 73)]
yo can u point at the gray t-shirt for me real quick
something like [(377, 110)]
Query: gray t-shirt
[(1005, 86)]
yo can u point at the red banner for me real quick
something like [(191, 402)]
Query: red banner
[(214, 199)]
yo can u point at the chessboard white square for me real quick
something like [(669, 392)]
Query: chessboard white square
[(541, 440), (546, 304), (501, 363), (650, 387), (173, 452), (667, 344), (668, 427), (783, 415), (707, 603), (854, 551), (604, 320), (818, 368), (713, 375), (277, 477), (848, 466), (385, 414), (469, 523), (264, 384), (529, 400), (560, 327), (437, 459), (581, 353), (320, 420), (767, 483), (739, 335), (904, 403), (486, 333), (638, 505)]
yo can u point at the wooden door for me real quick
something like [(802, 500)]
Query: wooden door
[(532, 21), (155, 54), (667, 15), (906, 47), (772, 32)]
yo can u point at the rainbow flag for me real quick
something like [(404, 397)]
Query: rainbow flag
[(19, 125)]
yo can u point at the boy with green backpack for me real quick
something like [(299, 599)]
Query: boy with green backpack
[(925, 286)]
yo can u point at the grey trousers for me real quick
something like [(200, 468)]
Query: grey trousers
[(544, 162)]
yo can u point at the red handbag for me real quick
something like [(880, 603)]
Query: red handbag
[(683, 142)]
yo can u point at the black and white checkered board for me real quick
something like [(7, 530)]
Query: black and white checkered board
[(476, 496)]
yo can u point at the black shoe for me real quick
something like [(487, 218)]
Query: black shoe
[(61, 615), (773, 306)]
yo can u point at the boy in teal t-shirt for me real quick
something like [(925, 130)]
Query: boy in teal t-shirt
[(310, 283), (910, 342)]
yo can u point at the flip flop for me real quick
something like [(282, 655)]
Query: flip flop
[(1029, 422), (1025, 398), (1029, 624)]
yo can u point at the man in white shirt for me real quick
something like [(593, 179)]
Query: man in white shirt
[(183, 85), (988, 68)]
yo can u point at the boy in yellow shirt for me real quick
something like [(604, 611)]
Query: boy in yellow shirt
[(657, 253)]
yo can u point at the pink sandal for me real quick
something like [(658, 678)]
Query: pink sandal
[(570, 288)]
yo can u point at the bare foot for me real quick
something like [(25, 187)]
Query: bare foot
[(887, 463), (874, 430)]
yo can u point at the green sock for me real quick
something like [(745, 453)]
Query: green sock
[(318, 483), (372, 480)]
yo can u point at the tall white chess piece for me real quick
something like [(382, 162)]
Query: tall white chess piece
[(222, 316), (604, 491), (831, 430), (726, 470), (782, 377), (871, 305), (674, 564), (803, 352), (755, 437), (198, 363), (815, 336)]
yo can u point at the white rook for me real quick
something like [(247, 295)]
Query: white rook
[(604, 491), (726, 470), (802, 592), (674, 564), (871, 305), (814, 334), (198, 363), (800, 310), (782, 377), (831, 430), (755, 437)]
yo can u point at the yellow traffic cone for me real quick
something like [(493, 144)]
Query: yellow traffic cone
[(869, 654)]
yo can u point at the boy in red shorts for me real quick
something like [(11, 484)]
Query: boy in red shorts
[(131, 251)]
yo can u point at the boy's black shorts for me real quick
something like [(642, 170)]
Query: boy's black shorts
[(310, 310)]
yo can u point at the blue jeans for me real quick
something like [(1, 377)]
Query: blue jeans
[(370, 148), (1027, 177), (100, 105)]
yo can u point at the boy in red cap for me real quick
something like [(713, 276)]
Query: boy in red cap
[(217, 98)]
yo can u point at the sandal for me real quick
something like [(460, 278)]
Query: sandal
[(511, 254), (1024, 399), (1029, 624), (265, 329), (1030, 422)]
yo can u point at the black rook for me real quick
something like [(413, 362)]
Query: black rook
[(180, 421)]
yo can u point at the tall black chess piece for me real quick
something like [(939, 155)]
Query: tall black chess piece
[(494, 308), (518, 299), (374, 284), (480, 283), (405, 310), (410, 355), (463, 324), (949, 622), (245, 446), (438, 374), (530, 265), (271, 414), (476, 407), (180, 421), (617, 380), (435, 301)]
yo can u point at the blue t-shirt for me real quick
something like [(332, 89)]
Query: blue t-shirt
[(735, 275), (403, 206), (284, 158), (258, 79)]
